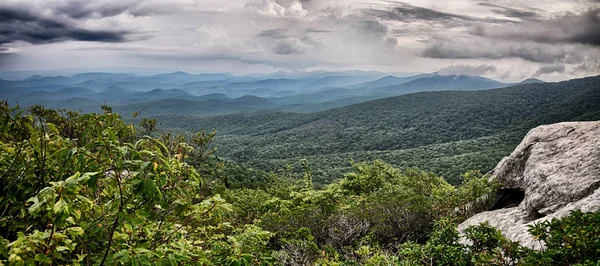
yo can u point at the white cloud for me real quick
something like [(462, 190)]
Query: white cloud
[(278, 8)]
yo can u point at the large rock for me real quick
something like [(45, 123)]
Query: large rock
[(558, 169)]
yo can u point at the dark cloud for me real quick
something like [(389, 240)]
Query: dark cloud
[(289, 46), (274, 33), (569, 38), (421, 13), (477, 70), (549, 69), (371, 28), (313, 30), (22, 25), (409, 13), (512, 12), (481, 48), (406, 12), (287, 33), (391, 41), (583, 28)]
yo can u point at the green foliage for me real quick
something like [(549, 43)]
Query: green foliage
[(81, 189), (88, 189), (375, 204), (571, 240), (148, 125)]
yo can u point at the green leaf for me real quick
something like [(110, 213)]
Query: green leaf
[(52, 128), (75, 231), (37, 204), (61, 207)]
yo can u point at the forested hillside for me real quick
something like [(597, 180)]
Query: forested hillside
[(92, 189), (443, 132)]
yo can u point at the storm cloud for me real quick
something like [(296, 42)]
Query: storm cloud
[(405, 12), (557, 68), (555, 38), (466, 48), (557, 42), (582, 28), (22, 25), (513, 12)]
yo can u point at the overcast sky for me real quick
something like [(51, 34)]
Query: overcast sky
[(508, 40)]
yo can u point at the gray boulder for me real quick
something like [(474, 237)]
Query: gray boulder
[(555, 170)]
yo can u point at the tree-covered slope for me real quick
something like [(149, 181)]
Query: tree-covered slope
[(487, 122), (89, 189)]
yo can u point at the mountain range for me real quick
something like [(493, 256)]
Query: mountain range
[(293, 92)]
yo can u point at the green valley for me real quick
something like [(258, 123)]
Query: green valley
[(444, 132)]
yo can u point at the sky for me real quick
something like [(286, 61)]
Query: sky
[(509, 40)]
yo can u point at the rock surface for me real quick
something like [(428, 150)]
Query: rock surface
[(558, 168)]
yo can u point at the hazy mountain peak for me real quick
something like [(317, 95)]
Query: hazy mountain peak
[(532, 80), (34, 77), (389, 78), (181, 73)]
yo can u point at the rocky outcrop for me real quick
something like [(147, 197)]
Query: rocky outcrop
[(557, 168)]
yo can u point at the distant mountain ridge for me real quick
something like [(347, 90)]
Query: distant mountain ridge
[(294, 91), (532, 81)]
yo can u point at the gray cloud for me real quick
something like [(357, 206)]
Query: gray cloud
[(409, 13), (370, 28), (476, 70), (585, 57), (78, 9), (466, 48), (549, 69), (588, 68), (566, 39), (286, 41), (99, 9), (295, 34), (274, 33), (583, 28), (512, 12), (289, 46), (22, 25)]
